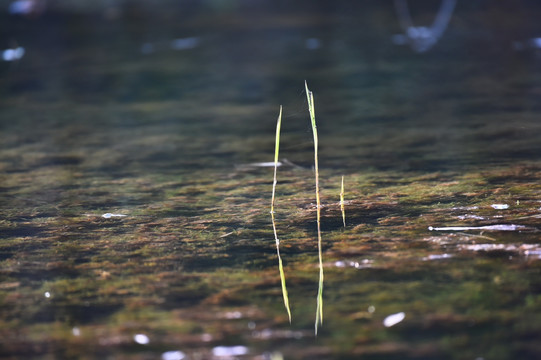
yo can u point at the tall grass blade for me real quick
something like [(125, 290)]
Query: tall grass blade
[(280, 266), (319, 309), (342, 206)]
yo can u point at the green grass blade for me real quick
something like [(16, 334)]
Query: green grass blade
[(280, 266), (311, 109)]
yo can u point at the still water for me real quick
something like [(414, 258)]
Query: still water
[(135, 198)]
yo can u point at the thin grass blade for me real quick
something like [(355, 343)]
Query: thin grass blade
[(280, 265), (319, 308)]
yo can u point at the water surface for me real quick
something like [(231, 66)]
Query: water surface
[(156, 115)]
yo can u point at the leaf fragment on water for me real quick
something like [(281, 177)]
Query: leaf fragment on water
[(110, 215), (497, 227)]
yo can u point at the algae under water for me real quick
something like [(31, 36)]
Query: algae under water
[(102, 116)]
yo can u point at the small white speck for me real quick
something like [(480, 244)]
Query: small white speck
[(394, 319), (141, 339), (371, 309), (47, 294), (76, 331), (500, 206)]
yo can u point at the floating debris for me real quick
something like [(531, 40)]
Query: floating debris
[(110, 215), (47, 294), (255, 165), (394, 319), (533, 252), (500, 206), (499, 227), (228, 351), (437, 257), (526, 249), (233, 315), (141, 339), (364, 264), (173, 355), (267, 334)]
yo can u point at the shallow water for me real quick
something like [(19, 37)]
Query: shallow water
[(157, 114)]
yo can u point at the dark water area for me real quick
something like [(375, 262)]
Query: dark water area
[(135, 186)]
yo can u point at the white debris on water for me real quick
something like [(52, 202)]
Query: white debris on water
[(141, 339), (500, 206), (267, 334), (229, 351), (498, 227), (471, 216), (437, 257), (110, 215), (394, 319), (364, 264), (173, 355), (233, 315)]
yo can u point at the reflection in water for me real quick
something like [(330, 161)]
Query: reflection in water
[(13, 54), (422, 38), (27, 7)]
